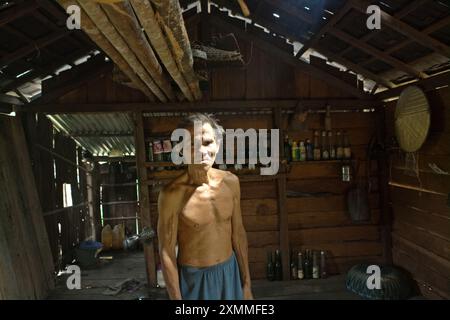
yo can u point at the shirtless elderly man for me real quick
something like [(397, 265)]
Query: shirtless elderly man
[(200, 212)]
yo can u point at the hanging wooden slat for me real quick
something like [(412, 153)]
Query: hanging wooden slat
[(146, 16), (123, 18), (92, 31)]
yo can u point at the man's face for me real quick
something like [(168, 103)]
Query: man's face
[(207, 145)]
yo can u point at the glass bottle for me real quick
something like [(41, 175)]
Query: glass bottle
[(307, 265), (270, 267), (309, 150), (325, 146), (302, 151), (294, 151), (294, 272), (323, 265), (300, 272), (287, 149), (347, 148), (332, 145), (317, 152), (339, 147), (278, 266), (315, 266)]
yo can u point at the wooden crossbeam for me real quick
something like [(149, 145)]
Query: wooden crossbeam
[(412, 6), (292, 10), (220, 105), (38, 44), (287, 57), (69, 80), (377, 53), (354, 67), (43, 71), (17, 11), (406, 29), (10, 100), (428, 84), (329, 25)]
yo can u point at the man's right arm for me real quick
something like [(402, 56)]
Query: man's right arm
[(167, 239)]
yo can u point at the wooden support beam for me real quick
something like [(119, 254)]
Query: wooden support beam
[(412, 6), (428, 84), (329, 25), (43, 71), (10, 100), (354, 67), (144, 199), (16, 11), (36, 45), (287, 57), (377, 53), (221, 105), (406, 29), (55, 87), (292, 10), (282, 210)]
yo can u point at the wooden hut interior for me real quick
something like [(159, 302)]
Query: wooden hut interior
[(353, 97)]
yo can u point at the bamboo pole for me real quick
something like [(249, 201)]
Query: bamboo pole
[(98, 16), (146, 16), (92, 31), (125, 21), (170, 17)]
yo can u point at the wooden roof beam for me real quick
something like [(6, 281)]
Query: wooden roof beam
[(219, 105), (431, 83), (355, 68), (287, 57), (377, 53), (17, 11), (328, 25), (38, 44), (291, 9), (405, 29), (412, 6)]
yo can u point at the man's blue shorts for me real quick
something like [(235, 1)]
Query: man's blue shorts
[(218, 282)]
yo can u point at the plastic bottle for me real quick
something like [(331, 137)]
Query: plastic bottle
[(302, 151)]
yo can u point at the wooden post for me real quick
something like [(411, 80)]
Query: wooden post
[(144, 197), (282, 211), (386, 210)]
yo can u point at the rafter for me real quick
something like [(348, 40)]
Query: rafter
[(291, 9), (406, 29), (326, 27), (377, 53), (36, 45), (17, 11), (249, 35), (354, 67), (412, 6), (428, 84), (218, 105)]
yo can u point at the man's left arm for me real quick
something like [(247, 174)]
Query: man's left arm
[(239, 238)]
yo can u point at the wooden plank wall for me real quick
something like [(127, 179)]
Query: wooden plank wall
[(26, 268), (264, 77), (72, 221), (320, 223), (421, 228)]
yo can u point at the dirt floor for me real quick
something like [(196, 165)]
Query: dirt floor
[(123, 266)]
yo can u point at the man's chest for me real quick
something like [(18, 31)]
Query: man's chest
[(208, 205)]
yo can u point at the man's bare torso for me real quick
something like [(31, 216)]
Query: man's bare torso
[(204, 219)]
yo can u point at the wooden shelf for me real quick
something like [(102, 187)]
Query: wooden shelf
[(319, 162), (149, 164)]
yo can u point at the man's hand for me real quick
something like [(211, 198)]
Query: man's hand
[(247, 293)]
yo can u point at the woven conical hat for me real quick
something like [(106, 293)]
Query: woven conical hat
[(412, 119)]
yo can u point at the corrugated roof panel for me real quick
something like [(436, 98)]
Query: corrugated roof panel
[(89, 130)]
